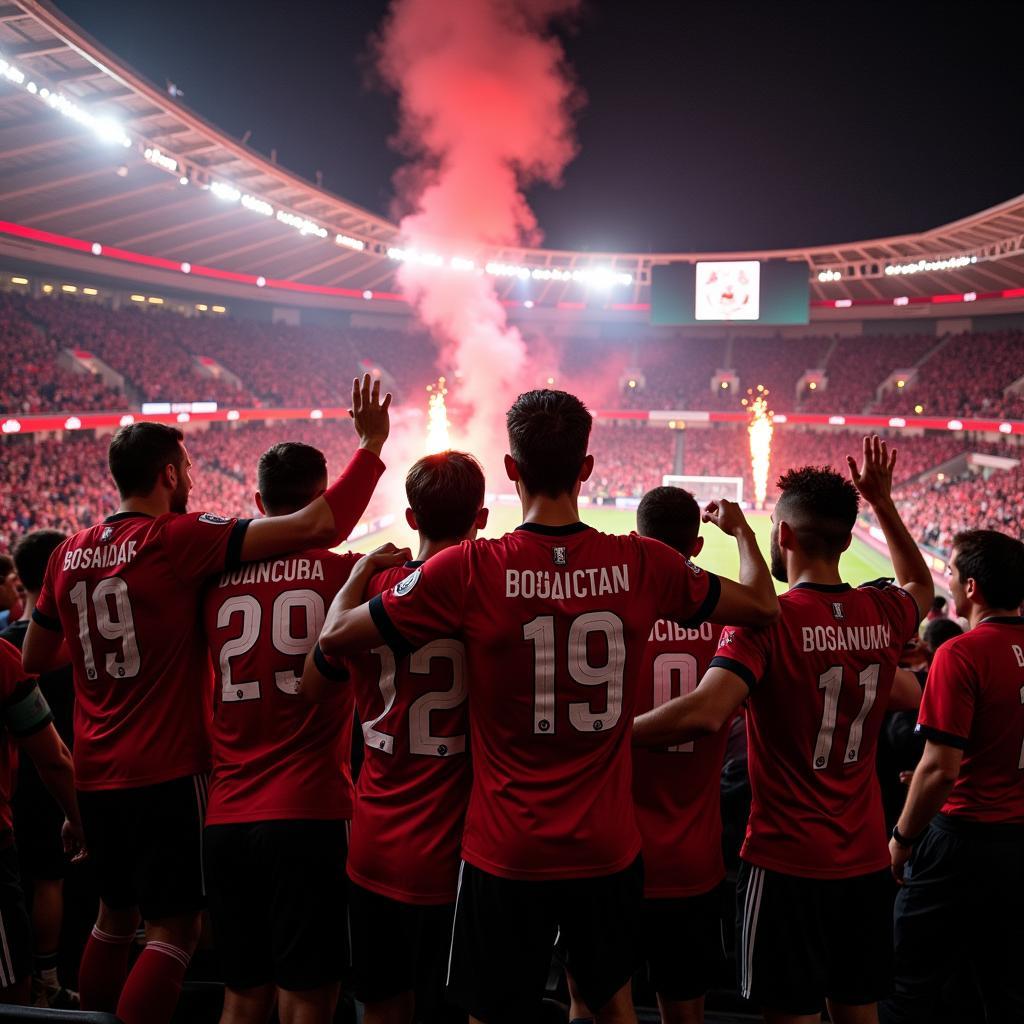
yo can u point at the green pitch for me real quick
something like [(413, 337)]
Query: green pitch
[(859, 563)]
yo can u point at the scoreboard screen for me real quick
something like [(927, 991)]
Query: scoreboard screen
[(771, 292)]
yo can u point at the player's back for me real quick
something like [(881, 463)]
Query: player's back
[(973, 699), (413, 785), (126, 593), (820, 681), (275, 755), (555, 621), (676, 789)]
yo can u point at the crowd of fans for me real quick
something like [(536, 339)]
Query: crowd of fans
[(160, 355)]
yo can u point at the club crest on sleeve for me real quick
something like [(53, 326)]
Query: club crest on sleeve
[(209, 517), (402, 588), (837, 610), (695, 569), (560, 555), (726, 637), (108, 532)]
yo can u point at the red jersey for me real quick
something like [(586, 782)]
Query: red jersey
[(126, 593), (555, 621), (974, 700), (275, 755), (676, 789), (23, 711), (413, 786), (820, 679)]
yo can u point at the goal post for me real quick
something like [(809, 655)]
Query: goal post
[(708, 488)]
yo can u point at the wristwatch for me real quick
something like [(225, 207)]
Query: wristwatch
[(902, 840)]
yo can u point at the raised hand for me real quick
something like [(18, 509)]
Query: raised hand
[(727, 516), (370, 414), (874, 478)]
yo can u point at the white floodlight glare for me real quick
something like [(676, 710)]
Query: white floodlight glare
[(927, 266)]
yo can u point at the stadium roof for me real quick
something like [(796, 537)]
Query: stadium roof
[(92, 151)]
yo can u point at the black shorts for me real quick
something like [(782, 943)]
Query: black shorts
[(801, 940), (146, 846), (38, 821), (15, 929), (398, 947), (681, 943), (959, 911), (505, 931), (278, 902)]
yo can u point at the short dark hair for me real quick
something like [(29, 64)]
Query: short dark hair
[(6, 566), (938, 603), (671, 515), (938, 631), (289, 476), (445, 492), (995, 561), (138, 454), (548, 432), (821, 506), (31, 555)]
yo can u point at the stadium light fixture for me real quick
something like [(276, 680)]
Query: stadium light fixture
[(954, 425), (349, 242), (232, 415), (261, 282), (929, 266), (367, 295), (127, 419), (183, 180), (901, 383), (901, 300), (919, 409), (19, 280), (90, 291), (228, 193), (154, 156), (257, 205), (202, 307), (72, 288), (218, 309), (813, 385), (155, 300), (301, 224), (47, 288), (11, 426), (824, 276), (1005, 428), (970, 296), (528, 303), (72, 423), (138, 298), (186, 267)]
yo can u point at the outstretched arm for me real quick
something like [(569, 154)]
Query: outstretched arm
[(700, 713), (330, 518), (752, 601), (874, 481)]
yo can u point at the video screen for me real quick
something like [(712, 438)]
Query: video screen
[(728, 291), (770, 292)]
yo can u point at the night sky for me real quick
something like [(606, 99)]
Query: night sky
[(707, 125)]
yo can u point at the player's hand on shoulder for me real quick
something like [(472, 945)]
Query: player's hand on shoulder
[(873, 478), (387, 556), (73, 839), (370, 413), (727, 516)]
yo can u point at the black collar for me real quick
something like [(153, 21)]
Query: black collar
[(118, 516), (1003, 620), (553, 531), (825, 588), (414, 563)]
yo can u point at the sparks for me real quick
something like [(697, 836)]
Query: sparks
[(760, 431), (437, 418)]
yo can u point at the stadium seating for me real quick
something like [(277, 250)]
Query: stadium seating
[(279, 365)]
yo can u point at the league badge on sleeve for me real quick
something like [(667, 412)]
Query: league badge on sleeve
[(402, 588), (209, 517)]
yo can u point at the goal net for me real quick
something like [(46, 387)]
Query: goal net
[(708, 488)]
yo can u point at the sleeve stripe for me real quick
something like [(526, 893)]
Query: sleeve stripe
[(947, 739), (233, 558), (710, 603), (737, 668), (45, 621), (26, 712), (328, 669), (398, 644)]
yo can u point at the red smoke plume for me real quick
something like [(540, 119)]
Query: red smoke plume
[(486, 109)]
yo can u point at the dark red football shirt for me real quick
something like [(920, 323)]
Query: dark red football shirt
[(820, 679), (555, 622), (126, 593), (275, 755), (413, 787), (974, 700), (676, 789), (23, 711)]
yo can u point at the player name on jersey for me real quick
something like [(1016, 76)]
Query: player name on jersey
[(666, 630), (561, 586), (281, 570), (101, 557), (846, 638)]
